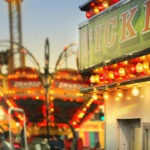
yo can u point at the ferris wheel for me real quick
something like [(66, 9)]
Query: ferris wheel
[(68, 57)]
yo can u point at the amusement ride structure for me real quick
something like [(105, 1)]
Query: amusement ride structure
[(57, 105)]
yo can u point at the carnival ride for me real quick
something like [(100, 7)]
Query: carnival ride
[(22, 87)]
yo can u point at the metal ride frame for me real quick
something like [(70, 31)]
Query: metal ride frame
[(46, 86)]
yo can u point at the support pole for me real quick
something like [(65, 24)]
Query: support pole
[(47, 84)]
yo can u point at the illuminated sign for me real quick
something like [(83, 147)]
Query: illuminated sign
[(92, 126), (122, 30), (71, 86), (25, 84), (29, 84)]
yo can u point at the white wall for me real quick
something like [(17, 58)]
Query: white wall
[(126, 108)]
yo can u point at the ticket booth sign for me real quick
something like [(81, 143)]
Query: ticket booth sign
[(120, 30)]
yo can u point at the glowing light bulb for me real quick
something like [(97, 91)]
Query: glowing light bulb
[(105, 95), (96, 10), (125, 63), (17, 124), (120, 93), (92, 79), (111, 75), (139, 67), (88, 14), (97, 78), (94, 96), (146, 66), (105, 4), (117, 99), (121, 71), (135, 91)]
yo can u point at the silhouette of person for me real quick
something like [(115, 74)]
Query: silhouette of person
[(6, 144), (97, 145)]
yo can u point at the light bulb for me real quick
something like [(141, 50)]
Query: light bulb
[(92, 79), (94, 96), (105, 95), (135, 91), (139, 67), (120, 93)]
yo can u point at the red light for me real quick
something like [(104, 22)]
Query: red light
[(101, 77), (116, 74), (92, 4), (105, 4), (17, 145), (101, 7), (132, 68), (135, 60), (88, 14), (114, 1)]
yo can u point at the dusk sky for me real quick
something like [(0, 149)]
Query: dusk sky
[(56, 19)]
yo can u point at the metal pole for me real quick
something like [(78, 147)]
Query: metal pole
[(47, 84), (47, 112)]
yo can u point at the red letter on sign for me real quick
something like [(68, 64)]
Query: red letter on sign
[(128, 31), (110, 35), (147, 17)]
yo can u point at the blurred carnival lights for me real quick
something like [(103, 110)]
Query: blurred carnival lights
[(105, 95), (135, 91)]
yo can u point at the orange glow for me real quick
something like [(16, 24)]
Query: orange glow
[(84, 109), (135, 91), (117, 99), (114, 1), (96, 70), (143, 58), (119, 93), (114, 66), (105, 4), (146, 66), (101, 7), (96, 10), (139, 67), (96, 78), (105, 95), (111, 75), (92, 79), (121, 71), (94, 96), (37, 97), (101, 70), (125, 63), (52, 109)]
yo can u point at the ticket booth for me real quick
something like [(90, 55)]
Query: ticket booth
[(114, 54)]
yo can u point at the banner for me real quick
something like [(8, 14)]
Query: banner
[(118, 31)]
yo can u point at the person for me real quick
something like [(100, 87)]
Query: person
[(56, 143), (1, 139), (97, 145), (6, 144)]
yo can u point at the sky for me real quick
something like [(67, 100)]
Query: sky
[(57, 20)]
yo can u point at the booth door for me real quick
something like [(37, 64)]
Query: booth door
[(129, 134), (146, 134)]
